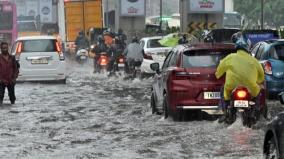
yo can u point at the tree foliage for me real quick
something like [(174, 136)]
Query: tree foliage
[(251, 9)]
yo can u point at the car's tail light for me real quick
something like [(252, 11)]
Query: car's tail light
[(148, 56), (180, 74), (241, 93), (268, 68), (19, 50), (60, 53)]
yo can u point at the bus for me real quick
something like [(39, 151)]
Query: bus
[(232, 20), (8, 22)]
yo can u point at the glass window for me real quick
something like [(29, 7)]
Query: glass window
[(173, 59), (166, 62), (254, 50), (154, 43), (6, 20), (39, 46), (277, 52), (259, 52), (203, 58)]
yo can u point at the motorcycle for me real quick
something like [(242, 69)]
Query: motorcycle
[(119, 64), (101, 65), (244, 105), (82, 55), (134, 68)]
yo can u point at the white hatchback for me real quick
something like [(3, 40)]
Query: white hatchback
[(153, 52), (40, 58)]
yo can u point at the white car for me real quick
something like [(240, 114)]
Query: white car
[(153, 52), (40, 59)]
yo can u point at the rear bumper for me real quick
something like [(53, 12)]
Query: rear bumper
[(212, 110), (50, 77)]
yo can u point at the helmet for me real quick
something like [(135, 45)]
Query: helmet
[(243, 44), (81, 32), (135, 39), (236, 36)]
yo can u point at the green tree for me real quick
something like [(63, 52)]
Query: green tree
[(251, 9)]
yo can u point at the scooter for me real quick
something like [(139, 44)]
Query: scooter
[(101, 65), (82, 55), (242, 104)]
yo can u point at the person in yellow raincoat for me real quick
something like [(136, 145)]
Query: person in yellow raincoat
[(240, 69)]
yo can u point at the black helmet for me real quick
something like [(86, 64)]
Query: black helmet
[(100, 39), (135, 39)]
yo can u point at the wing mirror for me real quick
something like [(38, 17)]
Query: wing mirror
[(155, 67), (281, 96)]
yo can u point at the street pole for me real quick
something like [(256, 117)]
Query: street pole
[(107, 21), (161, 14), (262, 14)]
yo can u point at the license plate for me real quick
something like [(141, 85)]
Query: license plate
[(211, 95), (83, 57), (41, 61), (121, 65), (241, 103)]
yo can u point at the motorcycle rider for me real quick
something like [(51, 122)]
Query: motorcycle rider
[(239, 68), (133, 52), (116, 50), (183, 40), (122, 37), (98, 49), (81, 41)]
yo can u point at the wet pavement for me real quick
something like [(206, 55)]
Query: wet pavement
[(95, 116)]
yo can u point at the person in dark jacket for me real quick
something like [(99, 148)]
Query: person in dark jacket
[(9, 70), (81, 41)]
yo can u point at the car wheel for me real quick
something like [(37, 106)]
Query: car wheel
[(165, 105), (153, 106), (271, 152)]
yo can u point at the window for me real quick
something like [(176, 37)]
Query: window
[(203, 58), (255, 49), (173, 59), (259, 52), (166, 62), (6, 19), (154, 43), (277, 52), (142, 43), (44, 45)]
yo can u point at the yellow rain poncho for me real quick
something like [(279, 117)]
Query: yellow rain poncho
[(241, 69)]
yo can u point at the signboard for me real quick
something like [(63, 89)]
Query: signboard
[(45, 10), (32, 8), (132, 8), (206, 6)]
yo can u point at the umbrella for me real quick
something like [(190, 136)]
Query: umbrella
[(170, 40)]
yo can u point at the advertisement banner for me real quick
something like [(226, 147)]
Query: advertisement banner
[(45, 10), (206, 6), (132, 8), (32, 8)]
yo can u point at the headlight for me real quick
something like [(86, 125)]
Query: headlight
[(92, 46)]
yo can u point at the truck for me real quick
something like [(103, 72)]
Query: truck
[(82, 15)]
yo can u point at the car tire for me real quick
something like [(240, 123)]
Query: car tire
[(166, 107), (153, 106), (271, 152)]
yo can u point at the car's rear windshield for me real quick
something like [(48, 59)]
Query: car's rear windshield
[(204, 58), (277, 52), (42, 45), (154, 43)]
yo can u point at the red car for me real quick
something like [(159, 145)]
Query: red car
[(187, 79)]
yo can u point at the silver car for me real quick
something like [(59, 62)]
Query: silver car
[(40, 58)]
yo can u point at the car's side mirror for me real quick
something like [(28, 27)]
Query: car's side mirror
[(281, 96), (155, 67)]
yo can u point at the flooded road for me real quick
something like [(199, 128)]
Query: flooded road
[(95, 116)]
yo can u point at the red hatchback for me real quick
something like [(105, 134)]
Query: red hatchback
[(187, 79)]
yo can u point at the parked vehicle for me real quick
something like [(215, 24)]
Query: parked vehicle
[(187, 79), (102, 63), (40, 58), (153, 52), (82, 55), (271, 55), (273, 146), (242, 104)]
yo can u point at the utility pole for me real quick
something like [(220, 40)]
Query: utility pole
[(161, 15), (262, 14)]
